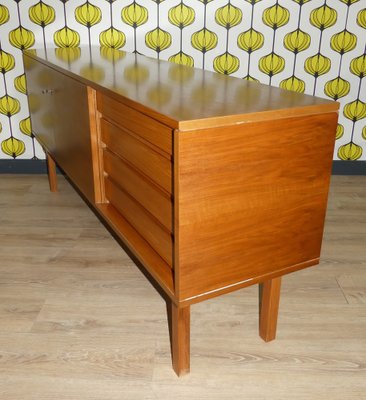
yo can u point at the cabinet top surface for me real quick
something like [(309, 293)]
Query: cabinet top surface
[(180, 96)]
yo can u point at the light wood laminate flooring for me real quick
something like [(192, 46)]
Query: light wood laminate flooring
[(78, 320)]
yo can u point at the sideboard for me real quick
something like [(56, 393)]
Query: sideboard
[(213, 183)]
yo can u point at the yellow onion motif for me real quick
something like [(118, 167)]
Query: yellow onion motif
[(203, 94), (20, 84), (293, 83), (68, 54), (136, 74), (364, 132), (182, 59), (26, 126), (88, 14), (358, 66), (4, 14), (355, 110), (112, 38), (250, 40), (271, 64), (41, 14), (93, 73), (228, 16), (323, 17), (111, 54), (158, 39), (226, 63), (66, 37), (181, 15), (13, 147), (339, 131), (337, 88), (349, 2), (9, 105), (159, 95), (361, 18), (350, 152), (301, 2), (204, 40), (21, 38), (177, 73), (134, 15), (343, 42), (317, 65), (7, 62), (276, 16), (250, 78), (297, 41), (1, 127)]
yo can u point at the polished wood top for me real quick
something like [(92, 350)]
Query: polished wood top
[(180, 96)]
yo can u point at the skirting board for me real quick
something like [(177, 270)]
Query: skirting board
[(39, 167), (23, 167), (349, 168)]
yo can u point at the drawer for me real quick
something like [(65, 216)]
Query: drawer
[(148, 128), (157, 236), (138, 154), (145, 193)]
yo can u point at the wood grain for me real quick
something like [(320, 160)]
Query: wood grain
[(154, 200), (180, 321), (147, 128), (180, 96), (51, 170), (149, 258), (65, 130), (96, 147), (269, 303), (245, 208), (245, 211), (141, 156), (149, 228)]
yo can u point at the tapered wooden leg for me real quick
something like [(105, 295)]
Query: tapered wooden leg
[(180, 338), (269, 303), (52, 177)]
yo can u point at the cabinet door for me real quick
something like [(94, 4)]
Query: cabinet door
[(60, 120), (40, 80)]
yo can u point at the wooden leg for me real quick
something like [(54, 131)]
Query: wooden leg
[(51, 168), (180, 338), (269, 302)]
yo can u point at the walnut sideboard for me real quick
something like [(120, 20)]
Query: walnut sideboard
[(213, 183)]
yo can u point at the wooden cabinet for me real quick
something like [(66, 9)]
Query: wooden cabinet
[(214, 183), (60, 121)]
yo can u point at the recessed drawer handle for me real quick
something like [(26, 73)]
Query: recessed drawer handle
[(48, 91)]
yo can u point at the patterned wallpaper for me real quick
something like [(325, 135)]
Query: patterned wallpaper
[(316, 47)]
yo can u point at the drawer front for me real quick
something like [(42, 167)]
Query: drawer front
[(147, 161), (148, 128), (145, 193), (153, 232)]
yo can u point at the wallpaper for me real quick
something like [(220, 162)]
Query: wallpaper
[(315, 47)]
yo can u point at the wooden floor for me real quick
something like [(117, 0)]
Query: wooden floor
[(79, 321)]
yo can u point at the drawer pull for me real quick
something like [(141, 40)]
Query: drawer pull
[(48, 91)]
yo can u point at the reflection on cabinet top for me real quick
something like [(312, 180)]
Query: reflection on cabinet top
[(179, 96)]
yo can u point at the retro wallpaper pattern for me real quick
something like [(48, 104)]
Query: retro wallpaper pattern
[(312, 46)]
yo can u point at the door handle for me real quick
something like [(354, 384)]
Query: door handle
[(48, 91)]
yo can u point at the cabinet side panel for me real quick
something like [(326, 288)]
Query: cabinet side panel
[(252, 200)]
